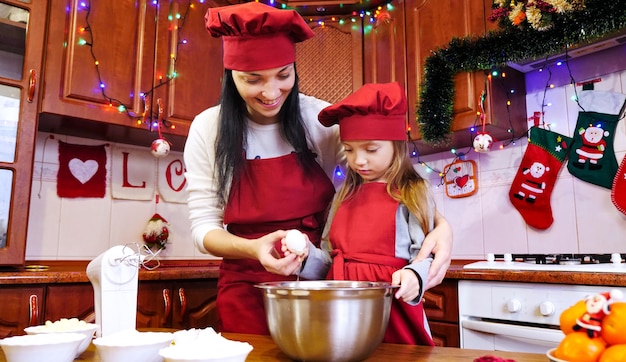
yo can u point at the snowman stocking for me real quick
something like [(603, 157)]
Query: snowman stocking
[(591, 157), (618, 192), (534, 181)]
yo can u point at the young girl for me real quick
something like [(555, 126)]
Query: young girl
[(382, 213)]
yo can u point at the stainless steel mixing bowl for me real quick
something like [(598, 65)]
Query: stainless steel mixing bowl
[(327, 320)]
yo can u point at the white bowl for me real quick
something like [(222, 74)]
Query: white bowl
[(237, 352), (204, 345), (55, 347), (132, 346), (87, 329), (550, 355)]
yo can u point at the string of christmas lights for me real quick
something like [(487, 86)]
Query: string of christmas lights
[(480, 120), (148, 115)]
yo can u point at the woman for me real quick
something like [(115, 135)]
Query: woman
[(260, 163)]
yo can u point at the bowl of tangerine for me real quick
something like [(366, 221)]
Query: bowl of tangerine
[(595, 330)]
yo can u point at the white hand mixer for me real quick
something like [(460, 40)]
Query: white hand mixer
[(114, 276)]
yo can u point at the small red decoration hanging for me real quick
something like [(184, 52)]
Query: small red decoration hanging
[(160, 147)]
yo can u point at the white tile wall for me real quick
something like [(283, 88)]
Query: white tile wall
[(82, 228), (585, 220)]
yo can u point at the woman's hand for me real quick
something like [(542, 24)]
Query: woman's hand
[(409, 285), (439, 243), (269, 257)]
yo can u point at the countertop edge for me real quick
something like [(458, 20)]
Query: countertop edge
[(45, 272), (75, 272)]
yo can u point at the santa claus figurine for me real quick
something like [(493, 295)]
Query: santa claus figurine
[(598, 306), (156, 233)]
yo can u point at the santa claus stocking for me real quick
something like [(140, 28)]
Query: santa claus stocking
[(534, 181), (591, 157), (618, 191)]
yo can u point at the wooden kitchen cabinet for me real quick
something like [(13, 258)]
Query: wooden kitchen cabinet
[(22, 30), (397, 45), (442, 311), (431, 24), (141, 47), (72, 300), (384, 46), (22, 306), (178, 304)]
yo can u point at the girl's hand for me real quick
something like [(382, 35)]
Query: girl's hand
[(409, 285)]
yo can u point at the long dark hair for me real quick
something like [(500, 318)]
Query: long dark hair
[(233, 130)]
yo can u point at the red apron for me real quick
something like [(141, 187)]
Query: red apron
[(363, 236), (272, 194)]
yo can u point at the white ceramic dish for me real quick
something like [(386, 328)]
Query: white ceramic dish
[(237, 352), (132, 346), (204, 345), (87, 329), (55, 347), (551, 357)]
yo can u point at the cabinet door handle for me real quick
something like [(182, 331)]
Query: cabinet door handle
[(167, 303), (33, 310), (183, 301), (32, 84)]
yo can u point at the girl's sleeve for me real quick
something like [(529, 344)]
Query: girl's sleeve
[(319, 261), (422, 267)]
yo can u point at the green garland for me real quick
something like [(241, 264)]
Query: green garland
[(509, 44)]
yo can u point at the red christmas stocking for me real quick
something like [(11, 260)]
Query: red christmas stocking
[(618, 191), (533, 184)]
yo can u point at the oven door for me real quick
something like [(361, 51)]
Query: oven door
[(502, 336)]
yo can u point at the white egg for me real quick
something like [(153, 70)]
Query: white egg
[(296, 241)]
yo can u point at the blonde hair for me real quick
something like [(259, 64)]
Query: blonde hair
[(404, 184)]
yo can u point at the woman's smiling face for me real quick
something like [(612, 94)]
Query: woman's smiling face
[(265, 91)]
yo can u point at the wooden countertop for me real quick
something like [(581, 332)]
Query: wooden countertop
[(266, 350), (74, 272)]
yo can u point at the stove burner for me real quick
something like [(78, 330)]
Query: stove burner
[(563, 259)]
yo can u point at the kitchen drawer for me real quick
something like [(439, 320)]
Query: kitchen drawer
[(441, 302)]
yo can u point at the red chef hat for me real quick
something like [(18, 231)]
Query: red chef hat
[(257, 36), (376, 111)]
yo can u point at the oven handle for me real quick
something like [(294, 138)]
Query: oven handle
[(514, 331)]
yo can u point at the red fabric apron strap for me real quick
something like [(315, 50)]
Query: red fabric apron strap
[(272, 194)]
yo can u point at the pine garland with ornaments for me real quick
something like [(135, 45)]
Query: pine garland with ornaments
[(584, 21)]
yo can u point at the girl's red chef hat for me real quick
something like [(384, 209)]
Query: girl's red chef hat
[(376, 111), (257, 36)]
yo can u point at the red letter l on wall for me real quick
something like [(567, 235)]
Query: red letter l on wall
[(125, 182)]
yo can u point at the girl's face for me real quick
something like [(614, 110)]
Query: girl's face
[(265, 91), (370, 159)]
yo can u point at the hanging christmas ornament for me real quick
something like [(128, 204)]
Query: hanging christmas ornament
[(157, 232), (160, 147), (483, 142)]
